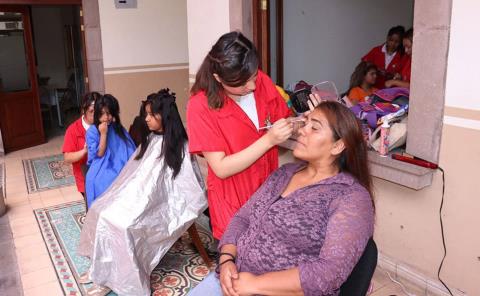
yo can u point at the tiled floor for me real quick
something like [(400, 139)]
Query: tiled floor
[(33, 263)]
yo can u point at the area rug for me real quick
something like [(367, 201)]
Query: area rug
[(46, 173), (179, 271)]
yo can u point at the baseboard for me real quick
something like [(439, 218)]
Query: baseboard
[(431, 287)]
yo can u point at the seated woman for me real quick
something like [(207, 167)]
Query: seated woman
[(362, 82), (402, 79), (306, 227), (153, 201), (388, 56)]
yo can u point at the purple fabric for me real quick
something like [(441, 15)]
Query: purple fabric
[(372, 112), (322, 229), (389, 94)]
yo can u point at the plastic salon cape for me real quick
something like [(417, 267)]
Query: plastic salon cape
[(136, 221), (103, 170)]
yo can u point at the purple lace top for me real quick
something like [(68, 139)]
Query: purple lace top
[(322, 229)]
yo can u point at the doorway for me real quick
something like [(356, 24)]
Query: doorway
[(59, 63), (42, 71)]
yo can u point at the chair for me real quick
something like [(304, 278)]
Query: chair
[(192, 231), (358, 281)]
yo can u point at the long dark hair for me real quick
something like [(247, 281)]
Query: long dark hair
[(409, 35), (234, 59), (398, 30), (139, 129), (111, 104), (353, 158), (89, 99), (174, 134), (359, 74)]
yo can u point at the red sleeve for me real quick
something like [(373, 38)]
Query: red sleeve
[(370, 56), (69, 144), (280, 108), (406, 69), (202, 127)]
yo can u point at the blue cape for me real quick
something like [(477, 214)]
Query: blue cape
[(103, 170)]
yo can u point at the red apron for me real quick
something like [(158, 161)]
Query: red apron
[(230, 130)]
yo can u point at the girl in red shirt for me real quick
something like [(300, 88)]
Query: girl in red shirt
[(388, 56), (231, 101), (402, 79), (74, 148)]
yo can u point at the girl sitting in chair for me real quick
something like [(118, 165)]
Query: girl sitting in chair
[(109, 147), (154, 200)]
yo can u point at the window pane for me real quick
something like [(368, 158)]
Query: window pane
[(13, 58)]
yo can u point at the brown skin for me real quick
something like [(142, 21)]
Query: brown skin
[(105, 119), (392, 43), (154, 121)]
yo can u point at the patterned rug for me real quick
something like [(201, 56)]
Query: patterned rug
[(180, 270), (46, 173)]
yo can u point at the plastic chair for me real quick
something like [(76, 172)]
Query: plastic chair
[(358, 281)]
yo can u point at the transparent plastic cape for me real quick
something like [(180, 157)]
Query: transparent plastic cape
[(138, 218)]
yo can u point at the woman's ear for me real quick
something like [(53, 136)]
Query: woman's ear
[(338, 147), (217, 78)]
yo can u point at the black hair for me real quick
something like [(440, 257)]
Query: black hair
[(409, 34), (397, 30), (359, 74), (234, 59), (174, 134), (89, 99), (139, 129), (111, 104)]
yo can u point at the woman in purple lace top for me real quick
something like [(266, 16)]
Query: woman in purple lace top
[(306, 227)]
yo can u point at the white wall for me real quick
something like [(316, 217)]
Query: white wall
[(154, 33), (207, 21), (325, 40), (463, 73)]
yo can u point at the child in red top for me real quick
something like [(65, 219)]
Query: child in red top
[(388, 56), (362, 82), (74, 148), (231, 99), (402, 79)]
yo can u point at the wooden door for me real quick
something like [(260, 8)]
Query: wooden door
[(20, 116), (261, 30)]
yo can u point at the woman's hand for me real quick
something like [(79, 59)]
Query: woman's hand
[(389, 83), (245, 284), (281, 130), (228, 273), (103, 128), (397, 76)]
